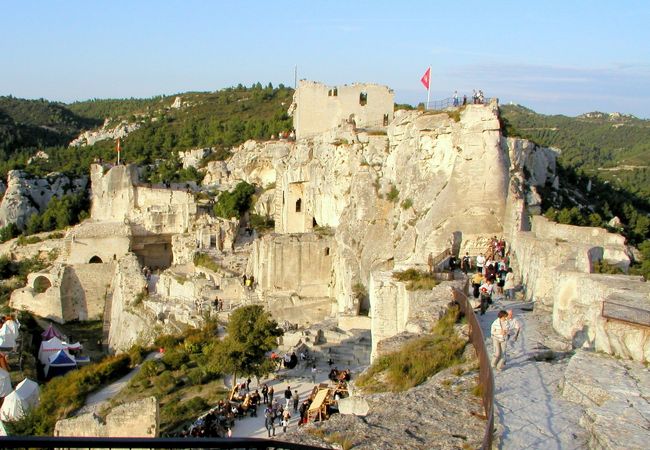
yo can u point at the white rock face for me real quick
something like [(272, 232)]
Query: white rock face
[(133, 419), (192, 158), (25, 195), (615, 394), (91, 137)]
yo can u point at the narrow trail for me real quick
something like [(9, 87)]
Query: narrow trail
[(97, 400), (528, 401)]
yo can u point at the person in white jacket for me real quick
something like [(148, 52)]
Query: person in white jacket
[(499, 331)]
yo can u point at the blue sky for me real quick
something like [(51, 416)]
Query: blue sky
[(565, 57)]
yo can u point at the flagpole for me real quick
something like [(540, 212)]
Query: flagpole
[(118, 151)]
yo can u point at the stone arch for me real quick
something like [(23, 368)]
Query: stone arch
[(41, 284), (95, 260)]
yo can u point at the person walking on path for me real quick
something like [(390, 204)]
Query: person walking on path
[(499, 332), (287, 397), (296, 400), (286, 415), (509, 285), (269, 421), (271, 393), (314, 370)]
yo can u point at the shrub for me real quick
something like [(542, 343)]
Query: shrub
[(603, 266), (174, 358), (393, 195), (235, 203), (406, 204), (261, 223), (203, 260), (8, 232), (416, 279), (417, 360)]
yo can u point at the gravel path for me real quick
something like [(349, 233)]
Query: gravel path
[(529, 405)]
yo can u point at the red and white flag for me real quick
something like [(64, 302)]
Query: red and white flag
[(426, 78), (118, 145)]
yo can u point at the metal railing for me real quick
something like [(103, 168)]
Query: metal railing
[(485, 377), (450, 102), (171, 443)]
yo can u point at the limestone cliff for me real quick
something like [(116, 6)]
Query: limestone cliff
[(26, 195)]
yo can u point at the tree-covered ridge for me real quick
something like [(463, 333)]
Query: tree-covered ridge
[(28, 125), (219, 119), (611, 147)]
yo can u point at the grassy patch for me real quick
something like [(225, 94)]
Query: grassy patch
[(203, 260), (416, 280), (417, 360), (324, 231), (406, 204), (393, 195)]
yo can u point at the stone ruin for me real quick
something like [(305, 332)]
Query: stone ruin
[(351, 204)]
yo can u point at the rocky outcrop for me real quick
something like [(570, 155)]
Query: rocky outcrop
[(130, 322), (441, 413), (192, 158), (26, 195), (134, 419), (616, 395), (91, 137)]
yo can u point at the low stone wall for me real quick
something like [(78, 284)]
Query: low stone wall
[(135, 419)]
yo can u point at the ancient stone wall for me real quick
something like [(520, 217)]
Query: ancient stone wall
[(134, 419), (294, 263), (42, 294), (84, 288), (102, 242), (318, 107)]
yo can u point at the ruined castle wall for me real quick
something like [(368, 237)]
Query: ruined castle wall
[(47, 304), (295, 263), (83, 290), (320, 107), (113, 192), (103, 249)]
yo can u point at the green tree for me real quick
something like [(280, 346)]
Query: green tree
[(251, 334), (235, 203)]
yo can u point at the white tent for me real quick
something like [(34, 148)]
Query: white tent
[(60, 364), (7, 337), (20, 401), (52, 346), (5, 383)]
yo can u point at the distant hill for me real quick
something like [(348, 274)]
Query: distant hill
[(219, 119), (604, 167), (27, 125), (612, 147)]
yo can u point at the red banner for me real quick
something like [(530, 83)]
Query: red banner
[(426, 78)]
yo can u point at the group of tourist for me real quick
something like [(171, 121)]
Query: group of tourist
[(493, 277), (477, 98)]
